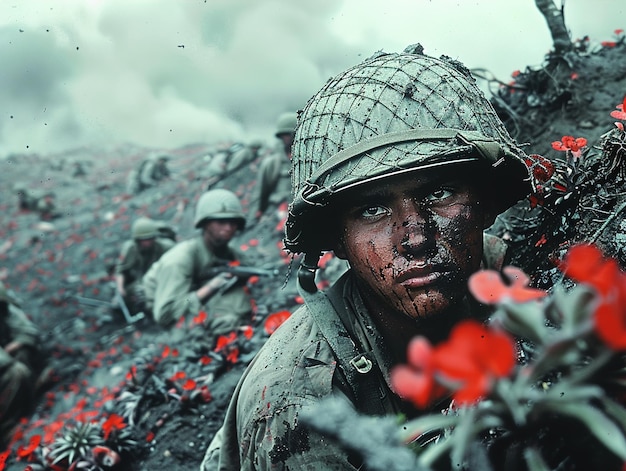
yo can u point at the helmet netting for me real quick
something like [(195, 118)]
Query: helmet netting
[(391, 93)]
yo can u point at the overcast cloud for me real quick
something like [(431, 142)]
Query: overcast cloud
[(166, 73)]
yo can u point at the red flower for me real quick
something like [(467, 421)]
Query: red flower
[(189, 385), (223, 341), (105, 456), (233, 356), (488, 287), (609, 43), (570, 143), (3, 458), (113, 422), (275, 320), (200, 318), (621, 111), (473, 357), (467, 363), (248, 332), (415, 381), (541, 168), (178, 375), (25, 452), (205, 394), (610, 324), (586, 264)]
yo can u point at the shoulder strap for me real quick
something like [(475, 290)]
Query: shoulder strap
[(358, 366)]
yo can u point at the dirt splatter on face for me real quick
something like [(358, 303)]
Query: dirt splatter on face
[(414, 240)]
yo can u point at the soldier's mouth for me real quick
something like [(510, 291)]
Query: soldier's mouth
[(421, 274)]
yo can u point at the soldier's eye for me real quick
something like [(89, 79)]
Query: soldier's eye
[(439, 194), (373, 211)]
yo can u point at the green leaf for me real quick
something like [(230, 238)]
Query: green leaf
[(525, 320), (615, 410), (534, 460), (604, 429), (428, 423), (574, 308)]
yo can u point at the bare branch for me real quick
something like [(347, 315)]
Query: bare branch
[(556, 23)]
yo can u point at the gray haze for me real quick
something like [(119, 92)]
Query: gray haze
[(165, 73)]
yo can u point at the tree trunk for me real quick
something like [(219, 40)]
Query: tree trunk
[(556, 23)]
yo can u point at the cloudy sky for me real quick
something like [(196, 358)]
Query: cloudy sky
[(166, 73)]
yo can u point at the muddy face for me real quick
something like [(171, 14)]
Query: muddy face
[(413, 240), (218, 233)]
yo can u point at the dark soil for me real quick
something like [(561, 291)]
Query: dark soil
[(102, 366)]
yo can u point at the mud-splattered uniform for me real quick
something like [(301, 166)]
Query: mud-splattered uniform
[(297, 368)]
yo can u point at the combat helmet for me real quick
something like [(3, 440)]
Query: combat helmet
[(219, 204), (393, 114), (144, 228), (286, 123)]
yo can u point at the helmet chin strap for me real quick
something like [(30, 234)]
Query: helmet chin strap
[(306, 272)]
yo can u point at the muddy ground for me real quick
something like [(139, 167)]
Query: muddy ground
[(170, 389)]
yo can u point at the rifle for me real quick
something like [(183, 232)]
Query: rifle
[(119, 302), (239, 272)]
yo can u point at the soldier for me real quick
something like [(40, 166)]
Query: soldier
[(177, 284), (78, 169), (149, 173), (46, 207), (20, 362), (136, 257), (26, 201), (399, 165), (274, 178), (230, 160)]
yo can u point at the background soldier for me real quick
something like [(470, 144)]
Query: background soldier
[(20, 362), (230, 160), (399, 175), (274, 178), (46, 207), (26, 200), (149, 173), (177, 285), (136, 257)]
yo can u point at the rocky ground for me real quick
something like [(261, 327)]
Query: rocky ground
[(156, 397)]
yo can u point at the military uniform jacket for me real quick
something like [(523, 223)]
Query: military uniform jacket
[(171, 282), (274, 180), (297, 368), (133, 263), (15, 326)]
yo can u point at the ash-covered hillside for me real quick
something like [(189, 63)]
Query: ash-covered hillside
[(169, 387)]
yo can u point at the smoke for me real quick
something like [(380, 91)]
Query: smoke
[(163, 73), (159, 74)]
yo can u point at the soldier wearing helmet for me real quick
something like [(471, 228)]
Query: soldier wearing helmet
[(46, 207), (274, 176), (232, 159), (26, 200), (399, 164), (176, 286), (137, 255), (149, 173)]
